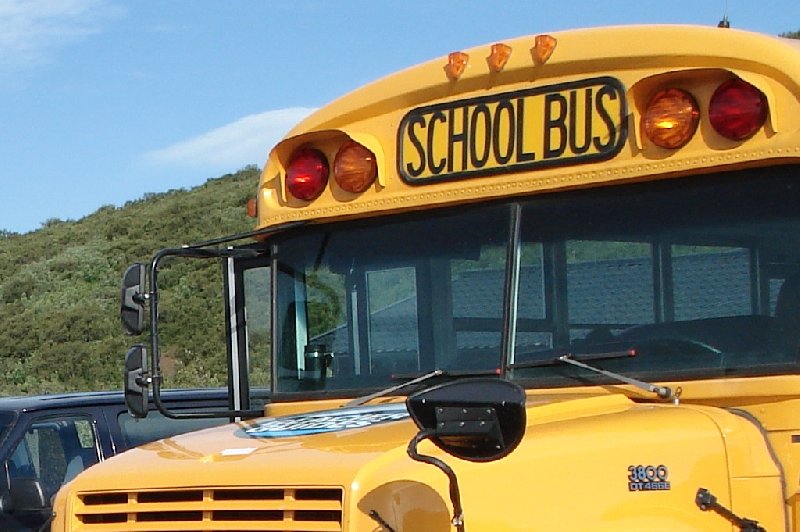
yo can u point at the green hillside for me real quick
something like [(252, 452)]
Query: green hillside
[(59, 290)]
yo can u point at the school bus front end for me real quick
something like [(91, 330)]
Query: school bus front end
[(548, 283), (569, 471)]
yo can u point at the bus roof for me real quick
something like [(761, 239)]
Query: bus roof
[(615, 70), (579, 52)]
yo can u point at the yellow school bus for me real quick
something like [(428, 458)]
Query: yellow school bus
[(549, 283)]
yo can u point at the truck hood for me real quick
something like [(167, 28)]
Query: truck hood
[(612, 462)]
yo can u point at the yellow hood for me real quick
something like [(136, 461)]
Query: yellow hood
[(598, 462)]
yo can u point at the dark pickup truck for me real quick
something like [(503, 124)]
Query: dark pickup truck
[(46, 440)]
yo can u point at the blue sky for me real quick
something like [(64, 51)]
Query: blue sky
[(102, 101)]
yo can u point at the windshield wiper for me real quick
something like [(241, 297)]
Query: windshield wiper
[(663, 392), (622, 353), (415, 379), (579, 360), (386, 391)]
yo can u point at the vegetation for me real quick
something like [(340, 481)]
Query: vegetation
[(59, 290)]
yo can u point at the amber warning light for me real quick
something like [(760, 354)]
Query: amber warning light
[(354, 167), (671, 118)]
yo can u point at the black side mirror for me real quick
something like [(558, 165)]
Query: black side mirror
[(136, 383), (475, 419), (132, 299)]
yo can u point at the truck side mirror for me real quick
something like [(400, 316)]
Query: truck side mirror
[(136, 381), (474, 419), (132, 299)]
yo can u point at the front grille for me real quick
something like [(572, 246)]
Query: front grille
[(212, 509)]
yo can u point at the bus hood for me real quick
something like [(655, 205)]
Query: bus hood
[(313, 447), (610, 462)]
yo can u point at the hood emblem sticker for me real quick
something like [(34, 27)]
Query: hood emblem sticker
[(325, 421)]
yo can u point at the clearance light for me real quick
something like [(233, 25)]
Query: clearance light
[(307, 174), (671, 118), (456, 64), (251, 207), (354, 168), (543, 48), (737, 110), (499, 57)]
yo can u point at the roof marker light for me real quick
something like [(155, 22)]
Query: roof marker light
[(543, 48), (670, 119), (307, 174), (354, 168), (737, 110), (251, 208), (456, 64), (499, 57)]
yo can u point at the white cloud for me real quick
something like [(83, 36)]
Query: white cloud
[(235, 145), (31, 28)]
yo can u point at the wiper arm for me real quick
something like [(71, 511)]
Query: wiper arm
[(663, 392), (386, 391), (416, 379), (579, 360)]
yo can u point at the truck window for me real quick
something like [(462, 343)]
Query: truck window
[(54, 451)]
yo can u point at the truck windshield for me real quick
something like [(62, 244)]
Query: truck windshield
[(700, 277)]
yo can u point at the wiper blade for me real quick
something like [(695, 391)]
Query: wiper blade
[(416, 379), (605, 355)]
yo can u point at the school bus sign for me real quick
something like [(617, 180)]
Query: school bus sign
[(555, 125)]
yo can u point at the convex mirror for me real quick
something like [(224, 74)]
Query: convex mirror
[(474, 419)]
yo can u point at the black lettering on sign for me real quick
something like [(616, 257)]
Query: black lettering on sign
[(479, 151), (555, 125)]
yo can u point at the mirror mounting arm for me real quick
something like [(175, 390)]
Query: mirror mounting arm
[(455, 494)]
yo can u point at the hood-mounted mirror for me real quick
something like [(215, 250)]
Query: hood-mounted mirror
[(474, 419), (480, 420)]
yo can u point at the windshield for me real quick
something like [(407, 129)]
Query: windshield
[(700, 277)]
